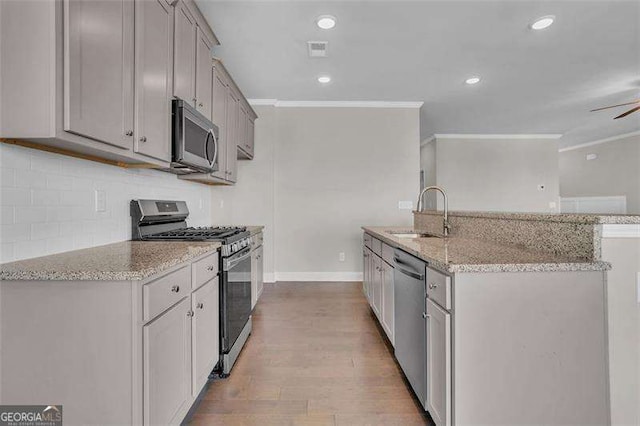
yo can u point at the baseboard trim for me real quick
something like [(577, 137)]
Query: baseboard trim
[(317, 276)]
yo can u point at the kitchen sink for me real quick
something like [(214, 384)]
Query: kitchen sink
[(405, 234)]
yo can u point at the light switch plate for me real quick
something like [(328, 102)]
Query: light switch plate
[(341, 256), (100, 200), (405, 205)]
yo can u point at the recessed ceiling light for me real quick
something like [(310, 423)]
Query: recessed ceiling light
[(542, 23), (326, 22), (324, 79), (472, 80)]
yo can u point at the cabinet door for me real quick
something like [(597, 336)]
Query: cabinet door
[(372, 271), (167, 365), (243, 118), (219, 118), (203, 74), (184, 51), (232, 135), (377, 287), (98, 70), (438, 340), (205, 333), (365, 272), (260, 271), (251, 127), (387, 300), (154, 23)]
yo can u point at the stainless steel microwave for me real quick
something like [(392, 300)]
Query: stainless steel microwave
[(194, 140)]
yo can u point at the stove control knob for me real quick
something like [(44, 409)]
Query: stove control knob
[(234, 247)]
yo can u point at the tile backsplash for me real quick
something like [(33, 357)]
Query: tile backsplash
[(48, 201)]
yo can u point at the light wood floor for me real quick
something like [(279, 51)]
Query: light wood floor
[(315, 357)]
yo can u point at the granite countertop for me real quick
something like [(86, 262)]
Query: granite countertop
[(596, 219), (454, 254), (255, 229), (127, 260)]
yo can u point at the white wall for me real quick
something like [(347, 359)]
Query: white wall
[(47, 201), (430, 167), (616, 171), (332, 171), (498, 174)]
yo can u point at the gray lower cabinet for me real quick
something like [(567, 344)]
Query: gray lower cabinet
[(206, 325), (377, 286), (126, 352), (167, 365), (438, 345)]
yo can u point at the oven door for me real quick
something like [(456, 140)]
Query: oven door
[(236, 296), (195, 139)]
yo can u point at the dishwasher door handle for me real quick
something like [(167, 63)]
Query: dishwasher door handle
[(412, 274)]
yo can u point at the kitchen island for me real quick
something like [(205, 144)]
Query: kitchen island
[(515, 314)]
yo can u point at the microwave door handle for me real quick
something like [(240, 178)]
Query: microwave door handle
[(215, 146)]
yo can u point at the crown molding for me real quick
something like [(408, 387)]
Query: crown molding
[(497, 136), (334, 104), (600, 141)]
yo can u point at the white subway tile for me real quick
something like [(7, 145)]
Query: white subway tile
[(30, 214), (14, 157), (59, 244), (7, 177), (42, 231), (28, 249), (46, 162), (59, 213), (6, 252), (15, 197), (15, 232), (45, 197), (69, 229), (76, 198), (82, 241), (59, 182), (7, 215), (27, 178)]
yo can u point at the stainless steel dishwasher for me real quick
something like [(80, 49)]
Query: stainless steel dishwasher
[(409, 305)]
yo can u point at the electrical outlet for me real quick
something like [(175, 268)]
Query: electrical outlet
[(100, 200), (341, 256)]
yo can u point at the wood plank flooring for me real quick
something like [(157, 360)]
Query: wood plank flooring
[(315, 357)]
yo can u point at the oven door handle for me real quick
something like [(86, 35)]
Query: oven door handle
[(237, 258)]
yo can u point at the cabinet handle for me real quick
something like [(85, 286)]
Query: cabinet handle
[(200, 305), (210, 268), (175, 288), (189, 313), (200, 105), (424, 315), (433, 286), (194, 100), (143, 139), (129, 133)]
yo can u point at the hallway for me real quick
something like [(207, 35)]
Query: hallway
[(315, 357)]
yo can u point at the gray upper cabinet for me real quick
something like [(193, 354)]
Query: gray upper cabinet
[(203, 74), (184, 62), (233, 112), (154, 65), (246, 129), (98, 71), (219, 117)]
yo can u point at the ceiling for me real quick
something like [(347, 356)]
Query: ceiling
[(532, 81)]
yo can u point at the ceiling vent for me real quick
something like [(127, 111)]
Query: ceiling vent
[(318, 49)]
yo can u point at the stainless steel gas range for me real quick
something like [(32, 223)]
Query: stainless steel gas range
[(158, 220)]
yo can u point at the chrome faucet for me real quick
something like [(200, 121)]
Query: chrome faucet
[(446, 226)]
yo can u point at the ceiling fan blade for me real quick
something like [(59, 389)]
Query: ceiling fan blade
[(628, 112), (615, 106)]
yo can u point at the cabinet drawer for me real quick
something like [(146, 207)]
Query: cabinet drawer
[(439, 288), (367, 240), (376, 246), (160, 294), (205, 269), (387, 253)]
